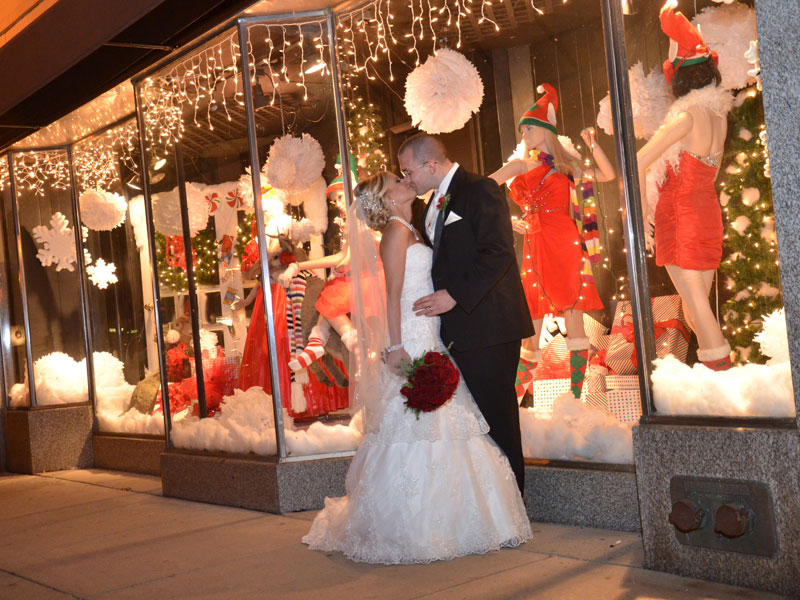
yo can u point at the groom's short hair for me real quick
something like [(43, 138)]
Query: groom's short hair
[(424, 146)]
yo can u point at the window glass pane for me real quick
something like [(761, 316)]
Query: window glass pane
[(44, 204), (714, 272), (108, 174)]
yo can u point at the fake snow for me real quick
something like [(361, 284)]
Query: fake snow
[(245, 424), (749, 390), (573, 430)]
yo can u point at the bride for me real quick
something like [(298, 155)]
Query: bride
[(418, 489)]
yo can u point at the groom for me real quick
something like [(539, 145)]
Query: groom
[(479, 293)]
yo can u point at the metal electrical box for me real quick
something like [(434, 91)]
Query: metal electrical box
[(723, 514)]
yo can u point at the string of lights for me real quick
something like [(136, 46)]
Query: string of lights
[(35, 170), (96, 160)]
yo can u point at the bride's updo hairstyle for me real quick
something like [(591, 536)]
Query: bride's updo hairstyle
[(372, 207)]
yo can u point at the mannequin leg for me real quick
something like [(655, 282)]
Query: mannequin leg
[(694, 288), (315, 349), (530, 346), (346, 331), (578, 346)]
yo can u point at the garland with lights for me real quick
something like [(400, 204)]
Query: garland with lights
[(751, 265), (205, 266), (366, 132)]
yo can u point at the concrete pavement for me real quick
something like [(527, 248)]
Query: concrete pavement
[(104, 534)]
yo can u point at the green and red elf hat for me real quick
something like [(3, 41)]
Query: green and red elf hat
[(337, 185), (543, 113), (686, 46)]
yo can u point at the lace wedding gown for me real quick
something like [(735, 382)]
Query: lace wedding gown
[(428, 489)]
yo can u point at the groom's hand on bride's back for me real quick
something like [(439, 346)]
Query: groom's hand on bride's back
[(435, 304)]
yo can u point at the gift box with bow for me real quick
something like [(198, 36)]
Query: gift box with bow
[(669, 328)]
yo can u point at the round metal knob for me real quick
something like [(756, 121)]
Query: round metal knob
[(732, 520), (686, 516)]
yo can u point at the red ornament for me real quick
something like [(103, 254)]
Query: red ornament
[(286, 258)]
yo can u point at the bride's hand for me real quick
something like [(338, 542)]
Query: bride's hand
[(396, 360), (519, 225)]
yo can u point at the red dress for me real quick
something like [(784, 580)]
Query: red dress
[(552, 258), (688, 217), (334, 299), (255, 359)]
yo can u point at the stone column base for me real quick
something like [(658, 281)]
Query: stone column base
[(724, 461), (130, 454), (602, 496), (250, 481), (49, 439)]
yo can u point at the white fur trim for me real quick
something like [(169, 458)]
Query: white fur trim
[(531, 355), (581, 343), (299, 404), (540, 89), (714, 353), (551, 113), (717, 100)]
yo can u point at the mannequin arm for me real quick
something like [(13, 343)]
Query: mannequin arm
[(326, 262), (605, 170), (511, 169), (247, 301)]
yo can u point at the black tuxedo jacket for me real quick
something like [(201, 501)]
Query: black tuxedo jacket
[(474, 260)]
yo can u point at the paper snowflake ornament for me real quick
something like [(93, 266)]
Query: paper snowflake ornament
[(58, 243), (752, 57), (102, 274)]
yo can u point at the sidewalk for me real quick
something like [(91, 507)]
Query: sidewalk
[(104, 534)]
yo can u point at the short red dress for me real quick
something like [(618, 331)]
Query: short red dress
[(334, 299), (688, 217), (552, 258)]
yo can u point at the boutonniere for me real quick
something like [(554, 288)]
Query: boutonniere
[(443, 201)]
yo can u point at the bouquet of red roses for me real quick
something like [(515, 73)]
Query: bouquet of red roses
[(432, 380)]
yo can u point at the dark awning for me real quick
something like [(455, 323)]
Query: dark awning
[(77, 50)]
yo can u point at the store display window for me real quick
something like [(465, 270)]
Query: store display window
[(711, 246)]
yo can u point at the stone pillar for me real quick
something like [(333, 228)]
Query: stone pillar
[(716, 463)]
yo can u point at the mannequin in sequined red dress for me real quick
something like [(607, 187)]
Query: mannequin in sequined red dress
[(677, 174), (555, 271)]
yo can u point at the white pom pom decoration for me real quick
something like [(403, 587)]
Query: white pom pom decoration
[(650, 101), (443, 92), (167, 211), (101, 210), (294, 163), (729, 29)]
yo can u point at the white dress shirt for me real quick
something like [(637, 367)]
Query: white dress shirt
[(433, 209)]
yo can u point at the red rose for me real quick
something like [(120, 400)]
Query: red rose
[(431, 383)]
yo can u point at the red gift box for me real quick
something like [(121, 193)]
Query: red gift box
[(670, 330)]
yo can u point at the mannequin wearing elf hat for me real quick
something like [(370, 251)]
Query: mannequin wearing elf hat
[(336, 187), (333, 303), (556, 273), (677, 171)]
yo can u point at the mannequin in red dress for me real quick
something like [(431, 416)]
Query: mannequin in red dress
[(255, 359), (687, 220), (553, 261)]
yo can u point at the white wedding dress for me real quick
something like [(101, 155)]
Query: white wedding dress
[(420, 490)]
